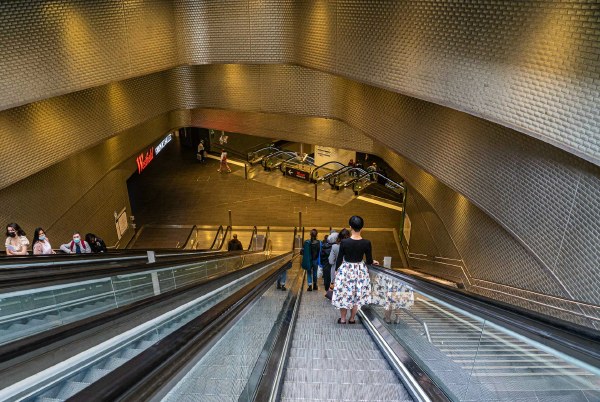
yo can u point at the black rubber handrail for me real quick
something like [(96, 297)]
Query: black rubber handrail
[(219, 230), (316, 169), (143, 376), (575, 340), (332, 176), (21, 278), (44, 339), (291, 154), (187, 240), (252, 237), (267, 238)]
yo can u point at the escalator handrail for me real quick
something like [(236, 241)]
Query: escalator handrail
[(219, 230), (193, 231), (275, 149), (295, 162), (331, 176), (370, 175), (58, 261), (43, 340), (228, 229), (291, 154), (267, 238), (147, 373), (252, 237), (312, 177), (22, 279), (575, 340)]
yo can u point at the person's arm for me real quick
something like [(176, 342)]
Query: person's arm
[(37, 248), (369, 255), (340, 257), (65, 248), (22, 250), (333, 254), (87, 249)]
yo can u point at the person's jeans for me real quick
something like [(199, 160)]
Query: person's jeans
[(311, 274), (282, 278)]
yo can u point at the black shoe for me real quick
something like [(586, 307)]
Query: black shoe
[(278, 286), (309, 288), (315, 287), (283, 287)]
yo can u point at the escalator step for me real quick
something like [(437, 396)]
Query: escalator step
[(70, 389), (94, 375), (113, 362)]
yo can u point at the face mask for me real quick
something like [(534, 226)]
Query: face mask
[(12, 234), (42, 237), (76, 240)]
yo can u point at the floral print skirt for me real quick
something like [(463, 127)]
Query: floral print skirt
[(391, 293), (352, 285)]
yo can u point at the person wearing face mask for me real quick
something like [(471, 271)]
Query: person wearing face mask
[(41, 245), (16, 242), (76, 246)]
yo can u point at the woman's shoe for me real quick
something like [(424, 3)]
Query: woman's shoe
[(283, 287), (351, 322), (315, 287), (309, 288), (339, 321), (278, 286)]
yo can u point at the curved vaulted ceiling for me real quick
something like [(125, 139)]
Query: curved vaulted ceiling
[(461, 92)]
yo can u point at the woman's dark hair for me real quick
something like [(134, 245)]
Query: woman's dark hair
[(344, 234), (36, 236), (16, 227), (356, 223), (313, 234), (90, 237)]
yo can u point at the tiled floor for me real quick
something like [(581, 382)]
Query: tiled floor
[(176, 189)]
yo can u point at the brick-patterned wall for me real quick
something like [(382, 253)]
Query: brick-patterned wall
[(55, 47), (531, 65), (83, 191), (45, 132)]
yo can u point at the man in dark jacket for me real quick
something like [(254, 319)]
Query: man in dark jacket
[(234, 244), (325, 251)]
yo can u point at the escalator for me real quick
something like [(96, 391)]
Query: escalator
[(240, 338)]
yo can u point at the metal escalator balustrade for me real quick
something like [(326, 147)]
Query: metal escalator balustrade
[(63, 380), (476, 359), (31, 311)]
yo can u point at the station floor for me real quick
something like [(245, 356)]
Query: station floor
[(178, 190)]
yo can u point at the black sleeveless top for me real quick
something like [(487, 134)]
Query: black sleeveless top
[(353, 250)]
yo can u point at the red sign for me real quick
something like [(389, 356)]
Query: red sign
[(144, 159), (300, 174)]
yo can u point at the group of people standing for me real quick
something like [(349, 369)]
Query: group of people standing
[(344, 257), (17, 243)]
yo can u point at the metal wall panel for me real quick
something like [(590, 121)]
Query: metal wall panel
[(83, 191), (45, 132)]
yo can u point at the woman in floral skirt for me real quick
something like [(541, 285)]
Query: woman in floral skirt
[(352, 285)]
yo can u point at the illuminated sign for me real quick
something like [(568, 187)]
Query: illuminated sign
[(162, 144), (144, 159), (300, 174)]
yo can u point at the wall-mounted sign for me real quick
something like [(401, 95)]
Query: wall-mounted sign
[(162, 144), (144, 159), (299, 174)]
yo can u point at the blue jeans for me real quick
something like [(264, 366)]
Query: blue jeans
[(282, 278), (311, 274)]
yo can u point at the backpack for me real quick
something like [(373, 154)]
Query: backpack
[(325, 251)]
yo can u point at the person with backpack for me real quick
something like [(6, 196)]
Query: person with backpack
[(311, 259), (76, 246), (325, 252)]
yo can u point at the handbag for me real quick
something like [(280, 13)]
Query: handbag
[(329, 294)]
